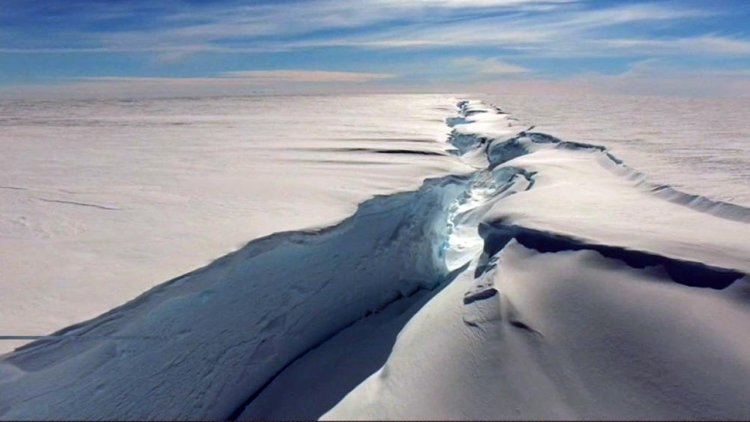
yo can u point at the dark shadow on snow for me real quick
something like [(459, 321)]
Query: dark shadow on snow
[(688, 273)]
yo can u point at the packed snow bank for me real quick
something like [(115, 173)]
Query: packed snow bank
[(595, 296), (569, 335), (101, 200), (317, 380), (581, 193)]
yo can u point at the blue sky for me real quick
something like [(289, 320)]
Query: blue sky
[(196, 46)]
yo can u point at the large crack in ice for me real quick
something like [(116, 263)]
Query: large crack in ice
[(694, 274), (234, 339), (232, 326), (496, 235), (225, 332)]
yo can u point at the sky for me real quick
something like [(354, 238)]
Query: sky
[(198, 47)]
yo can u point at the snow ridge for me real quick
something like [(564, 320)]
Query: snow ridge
[(581, 300)]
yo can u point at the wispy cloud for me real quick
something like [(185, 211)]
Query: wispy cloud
[(710, 44), (266, 24), (650, 77), (425, 40), (655, 77), (249, 77), (488, 66), (237, 82), (573, 33), (515, 25), (630, 13), (317, 76)]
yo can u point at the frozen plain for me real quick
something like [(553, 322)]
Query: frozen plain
[(101, 200), (529, 277)]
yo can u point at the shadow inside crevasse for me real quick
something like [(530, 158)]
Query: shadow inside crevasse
[(316, 381)]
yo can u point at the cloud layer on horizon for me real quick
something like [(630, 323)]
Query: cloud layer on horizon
[(386, 44)]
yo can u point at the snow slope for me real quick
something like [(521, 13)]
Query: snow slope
[(568, 335), (552, 281)]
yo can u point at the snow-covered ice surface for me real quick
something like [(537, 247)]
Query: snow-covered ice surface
[(527, 277), (595, 296), (698, 145), (101, 200)]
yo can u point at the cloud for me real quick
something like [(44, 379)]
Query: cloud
[(488, 66), (707, 44), (314, 76), (280, 27), (266, 23), (629, 13), (227, 83), (541, 28), (570, 32), (652, 77), (258, 78), (454, 41), (646, 77), (476, 4), (656, 77)]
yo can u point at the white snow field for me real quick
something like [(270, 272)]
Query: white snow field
[(528, 277), (695, 144), (101, 200)]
